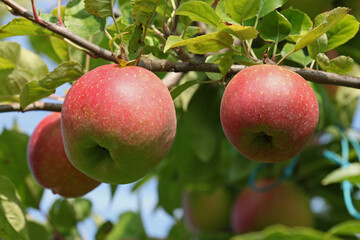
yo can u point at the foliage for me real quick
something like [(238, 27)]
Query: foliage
[(223, 32)]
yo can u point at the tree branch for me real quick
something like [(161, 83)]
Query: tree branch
[(36, 106), (169, 66)]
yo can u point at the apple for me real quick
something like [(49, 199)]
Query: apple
[(118, 123), (207, 211), (268, 113), (284, 204), (48, 162)]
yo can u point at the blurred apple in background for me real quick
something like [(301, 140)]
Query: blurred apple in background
[(284, 204), (207, 211), (49, 164)]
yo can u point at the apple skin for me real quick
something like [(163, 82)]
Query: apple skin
[(284, 204), (207, 211), (49, 164), (268, 113), (118, 123)]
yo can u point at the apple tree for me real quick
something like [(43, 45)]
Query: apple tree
[(244, 111)]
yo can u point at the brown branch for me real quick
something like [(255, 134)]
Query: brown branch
[(169, 66), (36, 106)]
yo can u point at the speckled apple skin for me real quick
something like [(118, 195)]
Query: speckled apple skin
[(118, 123), (48, 162), (271, 100), (285, 204)]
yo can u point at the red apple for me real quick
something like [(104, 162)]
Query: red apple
[(118, 123), (269, 113), (207, 211), (48, 162), (284, 204)]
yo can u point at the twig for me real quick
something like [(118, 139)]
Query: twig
[(36, 106)]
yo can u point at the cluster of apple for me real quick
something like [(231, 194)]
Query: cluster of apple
[(117, 123), (250, 211)]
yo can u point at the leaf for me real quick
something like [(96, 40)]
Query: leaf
[(82, 208), (38, 231), (36, 90), (298, 57), (13, 164), (318, 46), (12, 214), (129, 226), (79, 21), (181, 88), (331, 19), (323, 61), (143, 11), (241, 32), (342, 32), (226, 62), (350, 173), (211, 42), (275, 27), (62, 215), (199, 11), (349, 228), (341, 65), (135, 41), (300, 23), (172, 39), (240, 10), (267, 6), (22, 26), (100, 9)]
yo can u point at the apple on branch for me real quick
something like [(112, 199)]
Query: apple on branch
[(48, 162), (118, 123), (269, 113)]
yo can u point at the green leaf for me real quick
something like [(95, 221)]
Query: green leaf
[(330, 20), (12, 214), (267, 6), (300, 23), (298, 57), (211, 42), (82, 208), (100, 9), (181, 88), (323, 61), (172, 39), (38, 231), (226, 62), (6, 64), (349, 228), (13, 164), (129, 226), (342, 32), (240, 10), (143, 11), (103, 230), (135, 41), (275, 27), (350, 173), (341, 65), (63, 216), (80, 21), (241, 32), (199, 11), (318, 46), (22, 26), (36, 90)]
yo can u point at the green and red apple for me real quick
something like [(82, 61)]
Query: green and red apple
[(49, 164), (207, 211), (284, 204), (118, 123), (269, 113)]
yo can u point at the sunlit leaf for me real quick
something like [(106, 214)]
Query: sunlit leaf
[(350, 173), (331, 19), (101, 8), (241, 32), (349, 228), (129, 226), (300, 23), (241, 10), (199, 11), (22, 26)]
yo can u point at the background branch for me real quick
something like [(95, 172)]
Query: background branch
[(36, 106), (169, 66)]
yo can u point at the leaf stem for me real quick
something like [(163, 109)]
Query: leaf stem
[(59, 14)]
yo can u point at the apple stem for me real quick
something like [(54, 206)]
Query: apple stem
[(59, 14), (37, 19)]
